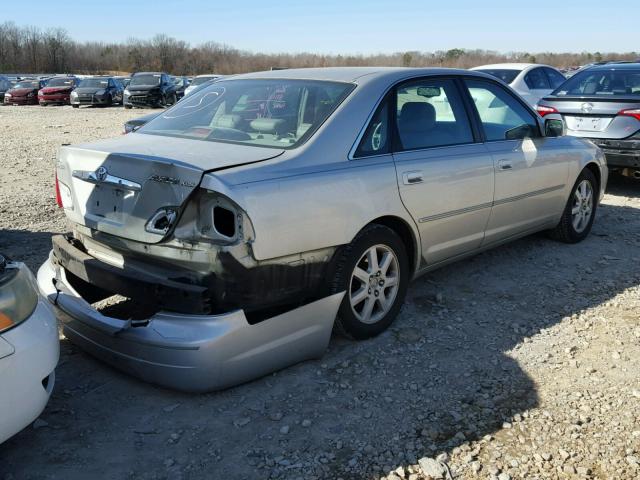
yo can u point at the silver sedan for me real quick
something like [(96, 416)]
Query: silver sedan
[(228, 236)]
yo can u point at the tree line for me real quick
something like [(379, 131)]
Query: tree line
[(33, 50)]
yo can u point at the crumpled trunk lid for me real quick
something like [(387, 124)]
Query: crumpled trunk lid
[(116, 186)]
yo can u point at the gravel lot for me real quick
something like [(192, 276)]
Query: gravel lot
[(521, 362)]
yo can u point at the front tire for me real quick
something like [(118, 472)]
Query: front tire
[(579, 213), (374, 272), (128, 107)]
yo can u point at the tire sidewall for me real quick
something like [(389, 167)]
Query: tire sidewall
[(379, 235)]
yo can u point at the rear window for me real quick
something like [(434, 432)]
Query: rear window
[(61, 82), (506, 75), (278, 113), (601, 83)]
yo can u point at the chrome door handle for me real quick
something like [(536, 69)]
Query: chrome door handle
[(505, 165), (411, 178)]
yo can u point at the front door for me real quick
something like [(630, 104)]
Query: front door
[(531, 171), (445, 178)]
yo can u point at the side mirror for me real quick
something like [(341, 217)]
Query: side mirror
[(554, 128)]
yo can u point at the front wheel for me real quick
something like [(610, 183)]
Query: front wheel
[(374, 272), (128, 107), (171, 100), (577, 218)]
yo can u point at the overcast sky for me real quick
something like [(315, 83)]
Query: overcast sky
[(343, 26)]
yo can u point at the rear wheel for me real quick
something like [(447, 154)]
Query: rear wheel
[(580, 210), (374, 272)]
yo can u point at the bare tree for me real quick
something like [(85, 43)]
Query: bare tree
[(30, 50)]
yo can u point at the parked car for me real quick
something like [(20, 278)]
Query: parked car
[(29, 348), (124, 81), (5, 85), (24, 92), (181, 85), (101, 91), (530, 80), (242, 222), (135, 123), (150, 89), (57, 91), (200, 80), (602, 103)]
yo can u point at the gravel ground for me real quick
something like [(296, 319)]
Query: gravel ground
[(521, 362)]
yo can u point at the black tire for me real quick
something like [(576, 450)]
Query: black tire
[(128, 107), (565, 230), (347, 323), (75, 106)]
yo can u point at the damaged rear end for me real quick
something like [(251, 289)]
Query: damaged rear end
[(157, 275)]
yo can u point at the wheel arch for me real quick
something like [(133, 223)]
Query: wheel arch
[(595, 169), (406, 234)]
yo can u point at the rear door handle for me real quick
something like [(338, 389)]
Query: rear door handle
[(411, 178), (505, 165)]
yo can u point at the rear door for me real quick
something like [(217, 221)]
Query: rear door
[(445, 175), (530, 170)]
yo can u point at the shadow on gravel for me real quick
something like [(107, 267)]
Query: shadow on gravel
[(623, 186), (442, 376), (26, 246)]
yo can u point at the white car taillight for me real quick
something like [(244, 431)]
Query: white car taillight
[(63, 195)]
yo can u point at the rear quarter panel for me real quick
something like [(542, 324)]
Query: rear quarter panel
[(318, 207)]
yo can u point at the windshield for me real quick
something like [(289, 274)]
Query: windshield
[(150, 79), (94, 83), (60, 82), (507, 76), (26, 84), (269, 113), (601, 83), (201, 80)]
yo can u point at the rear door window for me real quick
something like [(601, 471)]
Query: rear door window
[(555, 78), (377, 137), (430, 113), (502, 116), (537, 80)]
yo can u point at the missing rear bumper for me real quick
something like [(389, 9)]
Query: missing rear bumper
[(194, 353)]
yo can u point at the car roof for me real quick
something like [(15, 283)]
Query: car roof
[(615, 66), (358, 75), (511, 66), (150, 73)]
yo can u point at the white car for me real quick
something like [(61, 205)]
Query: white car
[(29, 349), (531, 80), (200, 80)]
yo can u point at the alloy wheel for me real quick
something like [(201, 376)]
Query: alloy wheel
[(582, 208), (374, 284)]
